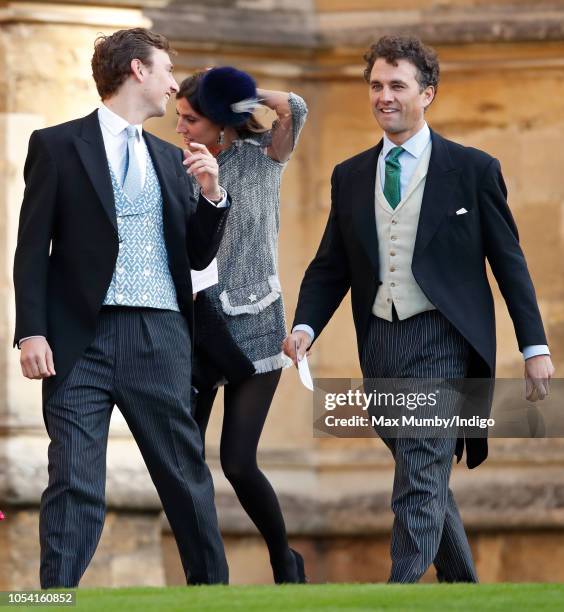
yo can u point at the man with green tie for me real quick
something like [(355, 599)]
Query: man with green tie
[(412, 222)]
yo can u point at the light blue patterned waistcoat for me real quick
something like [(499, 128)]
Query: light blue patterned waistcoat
[(141, 277)]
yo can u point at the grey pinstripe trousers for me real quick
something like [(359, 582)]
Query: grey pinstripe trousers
[(140, 360), (427, 525)]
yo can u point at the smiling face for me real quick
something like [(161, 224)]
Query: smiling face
[(397, 100), (158, 83), (195, 127)]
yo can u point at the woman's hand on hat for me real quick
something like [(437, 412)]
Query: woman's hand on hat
[(202, 165)]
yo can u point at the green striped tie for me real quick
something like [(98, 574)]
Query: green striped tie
[(393, 171)]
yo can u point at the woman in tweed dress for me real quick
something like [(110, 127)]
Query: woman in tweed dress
[(248, 295)]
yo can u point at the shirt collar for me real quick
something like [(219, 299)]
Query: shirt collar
[(414, 146), (114, 123)]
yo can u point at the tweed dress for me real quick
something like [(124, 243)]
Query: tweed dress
[(249, 292)]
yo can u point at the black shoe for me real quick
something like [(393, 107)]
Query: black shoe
[(292, 572), (302, 578)]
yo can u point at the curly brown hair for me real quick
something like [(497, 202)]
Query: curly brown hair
[(111, 62), (410, 48)]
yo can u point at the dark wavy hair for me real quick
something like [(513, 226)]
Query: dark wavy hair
[(189, 90), (410, 48), (111, 62)]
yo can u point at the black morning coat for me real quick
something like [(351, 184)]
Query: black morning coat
[(68, 239), (448, 260)]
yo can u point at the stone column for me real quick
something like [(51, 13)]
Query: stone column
[(45, 79)]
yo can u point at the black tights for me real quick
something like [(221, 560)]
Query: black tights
[(245, 410)]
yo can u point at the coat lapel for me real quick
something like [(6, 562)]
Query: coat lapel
[(90, 148), (442, 178), (364, 213), (167, 169)]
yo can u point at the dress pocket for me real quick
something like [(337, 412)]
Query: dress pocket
[(251, 298)]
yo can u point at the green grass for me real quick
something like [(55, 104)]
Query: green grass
[(330, 597)]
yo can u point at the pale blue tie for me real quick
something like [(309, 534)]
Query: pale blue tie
[(132, 177)]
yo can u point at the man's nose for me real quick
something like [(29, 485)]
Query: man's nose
[(174, 85), (387, 95)]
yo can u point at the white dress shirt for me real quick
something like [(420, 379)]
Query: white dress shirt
[(114, 134), (408, 160)]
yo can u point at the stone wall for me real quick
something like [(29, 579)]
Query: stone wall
[(502, 90)]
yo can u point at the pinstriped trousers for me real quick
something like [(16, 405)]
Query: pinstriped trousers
[(427, 525), (140, 360)]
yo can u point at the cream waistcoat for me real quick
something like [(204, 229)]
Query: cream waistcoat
[(397, 230)]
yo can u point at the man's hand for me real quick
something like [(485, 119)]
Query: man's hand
[(538, 372), (36, 359), (296, 344), (203, 166)]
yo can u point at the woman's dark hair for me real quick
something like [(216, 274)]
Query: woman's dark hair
[(189, 90), (410, 48), (111, 62)]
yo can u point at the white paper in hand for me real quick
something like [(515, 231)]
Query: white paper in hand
[(305, 375)]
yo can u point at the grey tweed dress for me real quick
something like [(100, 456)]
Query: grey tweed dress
[(249, 292)]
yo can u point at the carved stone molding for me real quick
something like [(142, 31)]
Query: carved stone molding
[(228, 22), (538, 21), (129, 4), (107, 14)]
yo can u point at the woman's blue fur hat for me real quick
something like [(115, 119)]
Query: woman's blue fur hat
[(227, 96)]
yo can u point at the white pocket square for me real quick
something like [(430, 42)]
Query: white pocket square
[(461, 211)]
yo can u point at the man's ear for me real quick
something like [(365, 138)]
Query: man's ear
[(429, 93), (138, 69)]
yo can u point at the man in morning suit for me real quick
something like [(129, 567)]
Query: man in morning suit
[(109, 229), (412, 221)]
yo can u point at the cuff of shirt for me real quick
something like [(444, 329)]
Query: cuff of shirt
[(534, 350), (27, 338), (305, 328), (223, 202)]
